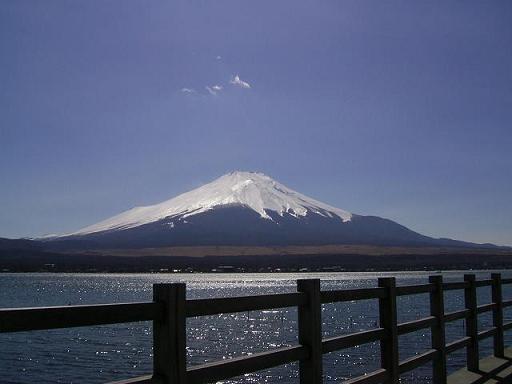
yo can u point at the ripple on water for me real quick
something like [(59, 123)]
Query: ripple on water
[(104, 353)]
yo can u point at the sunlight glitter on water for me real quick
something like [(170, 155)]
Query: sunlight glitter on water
[(104, 353)]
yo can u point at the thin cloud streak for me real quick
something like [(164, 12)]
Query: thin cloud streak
[(236, 81), (210, 91)]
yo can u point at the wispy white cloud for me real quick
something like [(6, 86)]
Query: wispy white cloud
[(214, 89), (219, 57), (188, 90), (236, 81)]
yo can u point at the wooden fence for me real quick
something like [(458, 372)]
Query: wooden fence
[(170, 309)]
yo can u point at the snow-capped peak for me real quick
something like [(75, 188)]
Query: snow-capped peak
[(250, 189)]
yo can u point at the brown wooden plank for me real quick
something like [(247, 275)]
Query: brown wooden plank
[(169, 334), (497, 315), (485, 307), (416, 361), (414, 289), (486, 333), (455, 285), (205, 307), (470, 300), (458, 344), (415, 325), (483, 283), (351, 340), (148, 379), (31, 319), (226, 369), (507, 303), (438, 337), (375, 377), (456, 315), (388, 321), (310, 331), (352, 294)]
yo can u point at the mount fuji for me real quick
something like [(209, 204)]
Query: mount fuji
[(242, 208)]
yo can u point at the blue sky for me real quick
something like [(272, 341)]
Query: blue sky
[(399, 109)]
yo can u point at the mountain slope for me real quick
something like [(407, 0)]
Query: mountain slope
[(243, 208), (256, 191)]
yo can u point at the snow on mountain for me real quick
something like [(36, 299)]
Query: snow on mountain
[(252, 190)]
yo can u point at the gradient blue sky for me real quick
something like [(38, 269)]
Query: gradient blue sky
[(401, 109)]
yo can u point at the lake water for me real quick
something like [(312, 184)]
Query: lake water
[(114, 352)]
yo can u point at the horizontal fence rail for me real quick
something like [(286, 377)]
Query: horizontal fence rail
[(31, 319), (205, 307), (169, 310)]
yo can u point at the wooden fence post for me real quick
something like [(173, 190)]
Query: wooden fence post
[(438, 330), (310, 331), (169, 334), (388, 320), (497, 315), (471, 323)]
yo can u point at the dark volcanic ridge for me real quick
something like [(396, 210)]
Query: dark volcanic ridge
[(240, 226), (242, 214), (244, 209)]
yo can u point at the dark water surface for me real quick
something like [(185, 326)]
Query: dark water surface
[(114, 352)]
